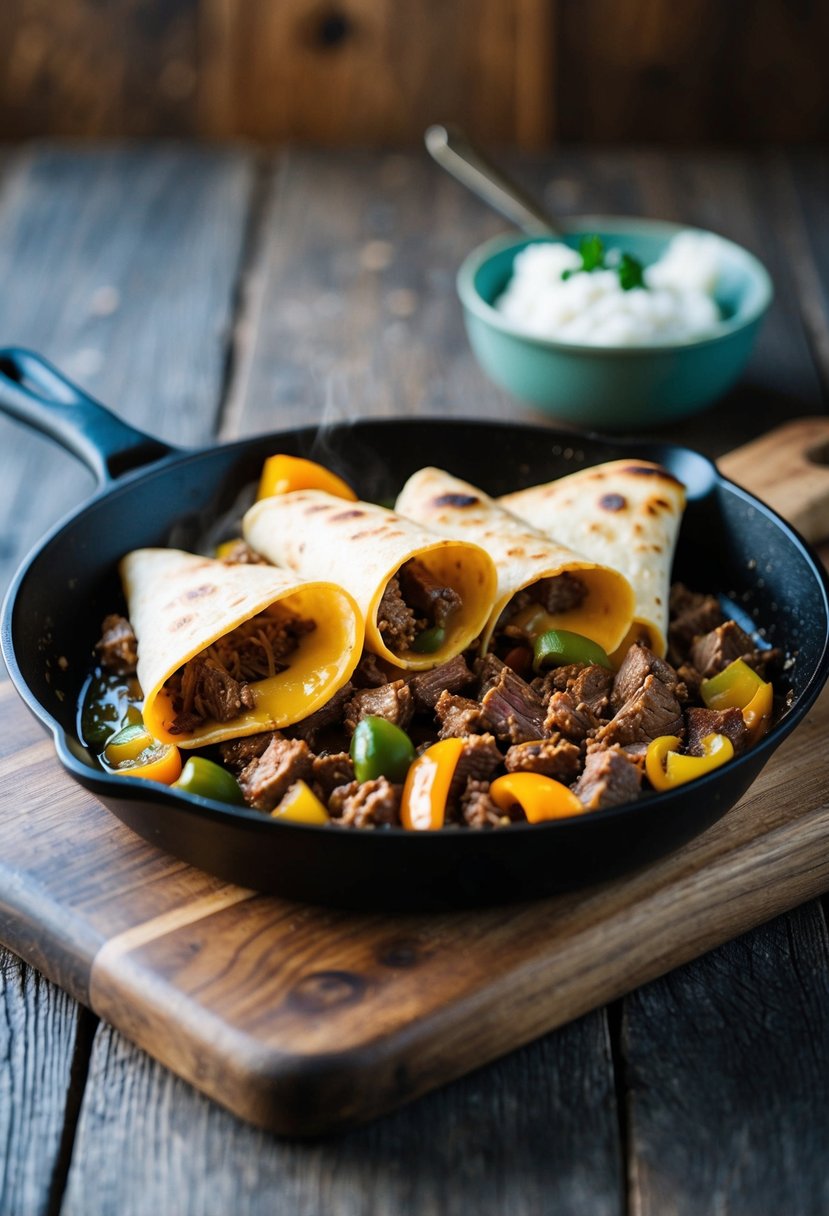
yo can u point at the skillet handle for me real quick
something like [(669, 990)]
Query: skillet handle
[(38, 395)]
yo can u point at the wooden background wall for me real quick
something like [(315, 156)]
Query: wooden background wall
[(528, 72)]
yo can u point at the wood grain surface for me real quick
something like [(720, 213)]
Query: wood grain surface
[(489, 1143)]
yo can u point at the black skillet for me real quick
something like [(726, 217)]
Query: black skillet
[(150, 494)]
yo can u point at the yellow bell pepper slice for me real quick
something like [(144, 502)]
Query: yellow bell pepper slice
[(227, 546), (539, 797), (156, 762), (301, 805), (282, 474), (738, 686), (667, 769), (423, 805), (757, 714)]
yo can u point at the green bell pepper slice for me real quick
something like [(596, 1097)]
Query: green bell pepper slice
[(429, 640), (208, 780), (558, 647), (380, 749)]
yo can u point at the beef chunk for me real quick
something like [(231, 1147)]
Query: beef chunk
[(266, 779), (554, 757), (423, 592), (390, 701), (637, 665), (557, 679), (719, 647), (591, 687), (255, 650), (702, 722), (117, 648), (477, 808), (396, 622), (459, 717), (205, 690), (241, 554), (691, 615), (559, 594), (237, 753), (477, 762), (370, 672), (514, 710), (332, 770), (567, 718), (451, 677), (330, 714), (366, 804), (609, 779), (651, 711)]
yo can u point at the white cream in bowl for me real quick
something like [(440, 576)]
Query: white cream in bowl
[(590, 307)]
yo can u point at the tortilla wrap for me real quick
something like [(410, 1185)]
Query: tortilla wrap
[(361, 546), (180, 603), (522, 555), (625, 513)]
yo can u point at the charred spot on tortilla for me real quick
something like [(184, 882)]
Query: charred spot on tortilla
[(455, 500), (180, 623), (197, 593), (351, 514), (639, 470), (613, 502)]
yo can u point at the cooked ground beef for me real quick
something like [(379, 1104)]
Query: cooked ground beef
[(370, 804), (477, 762), (650, 711), (477, 810), (637, 665), (609, 779), (721, 646), (459, 717), (702, 722), (555, 757), (565, 717), (204, 691), (241, 554), (390, 701), (266, 779), (426, 594), (515, 712), (331, 770), (451, 677), (117, 649), (397, 624)]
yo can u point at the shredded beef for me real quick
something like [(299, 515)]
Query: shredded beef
[(514, 710), (691, 614), (255, 650), (637, 665), (651, 711), (370, 804), (459, 717), (565, 717), (332, 770), (237, 753), (423, 592), (477, 762), (554, 757), (241, 554), (390, 701), (719, 647), (397, 624), (203, 690), (117, 648), (702, 722), (266, 779), (609, 779), (477, 808), (451, 677), (559, 594), (328, 715)]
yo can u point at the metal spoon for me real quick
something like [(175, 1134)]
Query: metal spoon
[(456, 153)]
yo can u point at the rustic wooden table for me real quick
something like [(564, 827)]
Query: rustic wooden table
[(211, 293)]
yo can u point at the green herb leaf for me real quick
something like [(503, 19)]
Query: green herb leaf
[(592, 252), (630, 272)]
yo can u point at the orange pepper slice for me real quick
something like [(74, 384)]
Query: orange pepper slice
[(423, 805), (158, 762), (281, 474), (538, 796), (757, 714)]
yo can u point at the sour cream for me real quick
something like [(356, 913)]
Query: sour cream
[(591, 308)]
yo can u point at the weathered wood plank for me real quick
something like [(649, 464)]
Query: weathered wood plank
[(534, 1133), (807, 242), (123, 265), (43, 1039), (725, 1066)]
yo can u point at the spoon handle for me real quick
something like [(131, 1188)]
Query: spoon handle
[(454, 152)]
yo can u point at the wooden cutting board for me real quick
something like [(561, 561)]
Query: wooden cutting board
[(304, 1019)]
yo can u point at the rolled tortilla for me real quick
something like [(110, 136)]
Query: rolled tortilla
[(625, 513), (362, 546), (179, 604), (522, 555)]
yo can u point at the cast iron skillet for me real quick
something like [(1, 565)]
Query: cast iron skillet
[(150, 494)]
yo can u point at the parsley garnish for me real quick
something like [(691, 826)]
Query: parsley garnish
[(630, 272), (592, 253)]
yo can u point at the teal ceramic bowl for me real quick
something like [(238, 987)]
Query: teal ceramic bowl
[(614, 387)]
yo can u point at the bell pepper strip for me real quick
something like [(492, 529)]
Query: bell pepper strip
[(539, 797), (127, 744), (281, 474), (429, 640), (157, 762), (423, 805), (558, 647), (739, 686), (301, 805), (380, 749), (208, 780), (667, 769)]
